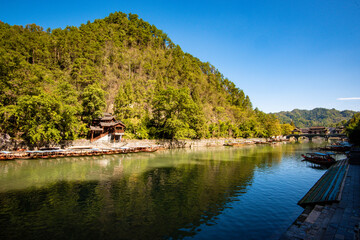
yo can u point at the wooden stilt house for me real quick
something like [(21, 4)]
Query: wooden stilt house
[(107, 128)]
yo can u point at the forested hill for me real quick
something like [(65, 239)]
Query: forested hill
[(54, 82), (316, 117)]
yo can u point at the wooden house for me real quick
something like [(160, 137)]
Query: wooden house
[(304, 130), (107, 128), (318, 130), (296, 131)]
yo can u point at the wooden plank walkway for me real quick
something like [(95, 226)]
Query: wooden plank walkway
[(329, 187)]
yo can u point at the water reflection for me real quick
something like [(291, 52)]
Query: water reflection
[(158, 195)]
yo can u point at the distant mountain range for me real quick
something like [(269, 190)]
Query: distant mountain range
[(316, 117)]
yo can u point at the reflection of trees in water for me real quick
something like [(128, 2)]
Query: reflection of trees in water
[(154, 204), (138, 199)]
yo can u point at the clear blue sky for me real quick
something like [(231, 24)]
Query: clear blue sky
[(284, 54)]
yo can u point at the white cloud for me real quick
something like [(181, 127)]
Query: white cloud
[(349, 98)]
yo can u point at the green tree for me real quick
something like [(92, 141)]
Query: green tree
[(352, 128), (286, 129), (93, 102), (124, 102), (71, 126), (39, 118), (177, 116)]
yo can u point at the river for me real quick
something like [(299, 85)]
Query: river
[(205, 193)]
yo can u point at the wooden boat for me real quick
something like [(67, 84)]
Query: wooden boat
[(46, 153), (338, 147), (324, 159), (5, 155)]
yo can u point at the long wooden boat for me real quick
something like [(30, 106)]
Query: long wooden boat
[(338, 147), (5, 155), (72, 152), (323, 159)]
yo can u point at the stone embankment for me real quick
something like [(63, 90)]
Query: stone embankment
[(7, 144), (170, 144)]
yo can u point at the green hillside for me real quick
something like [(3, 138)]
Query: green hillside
[(54, 82), (316, 117)]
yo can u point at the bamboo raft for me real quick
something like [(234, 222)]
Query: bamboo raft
[(73, 152), (329, 187)]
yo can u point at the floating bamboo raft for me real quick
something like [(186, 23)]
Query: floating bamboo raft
[(329, 187)]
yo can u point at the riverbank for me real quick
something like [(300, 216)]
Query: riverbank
[(6, 144), (339, 220), (87, 148), (185, 143)]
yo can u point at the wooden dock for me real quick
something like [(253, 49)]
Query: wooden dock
[(329, 187)]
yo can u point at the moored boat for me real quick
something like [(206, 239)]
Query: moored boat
[(324, 159), (5, 155), (338, 147)]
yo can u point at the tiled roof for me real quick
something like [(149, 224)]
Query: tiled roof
[(95, 128), (111, 124), (107, 118), (317, 127), (104, 124)]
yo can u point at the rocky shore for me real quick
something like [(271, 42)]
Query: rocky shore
[(8, 144)]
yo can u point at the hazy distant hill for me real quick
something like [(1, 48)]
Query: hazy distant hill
[(315, 117)]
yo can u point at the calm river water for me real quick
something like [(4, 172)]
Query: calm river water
[(206, 193)]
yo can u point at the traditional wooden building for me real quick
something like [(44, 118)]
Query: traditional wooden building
[(318, 130), (296, 131), (107, 128), (304, 130)]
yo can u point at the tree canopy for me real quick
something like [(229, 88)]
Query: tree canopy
[(316, 117), (353, 129), (54, 82)]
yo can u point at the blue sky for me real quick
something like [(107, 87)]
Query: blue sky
[(284, 54)]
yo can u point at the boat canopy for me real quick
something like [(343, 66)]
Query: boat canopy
[(330, 153), (321, 154)]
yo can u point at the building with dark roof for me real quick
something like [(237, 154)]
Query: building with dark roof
[(318, 130), (107, 128)]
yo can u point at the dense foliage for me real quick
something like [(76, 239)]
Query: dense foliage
[(54, 82), (316, 117), (353, 129)]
